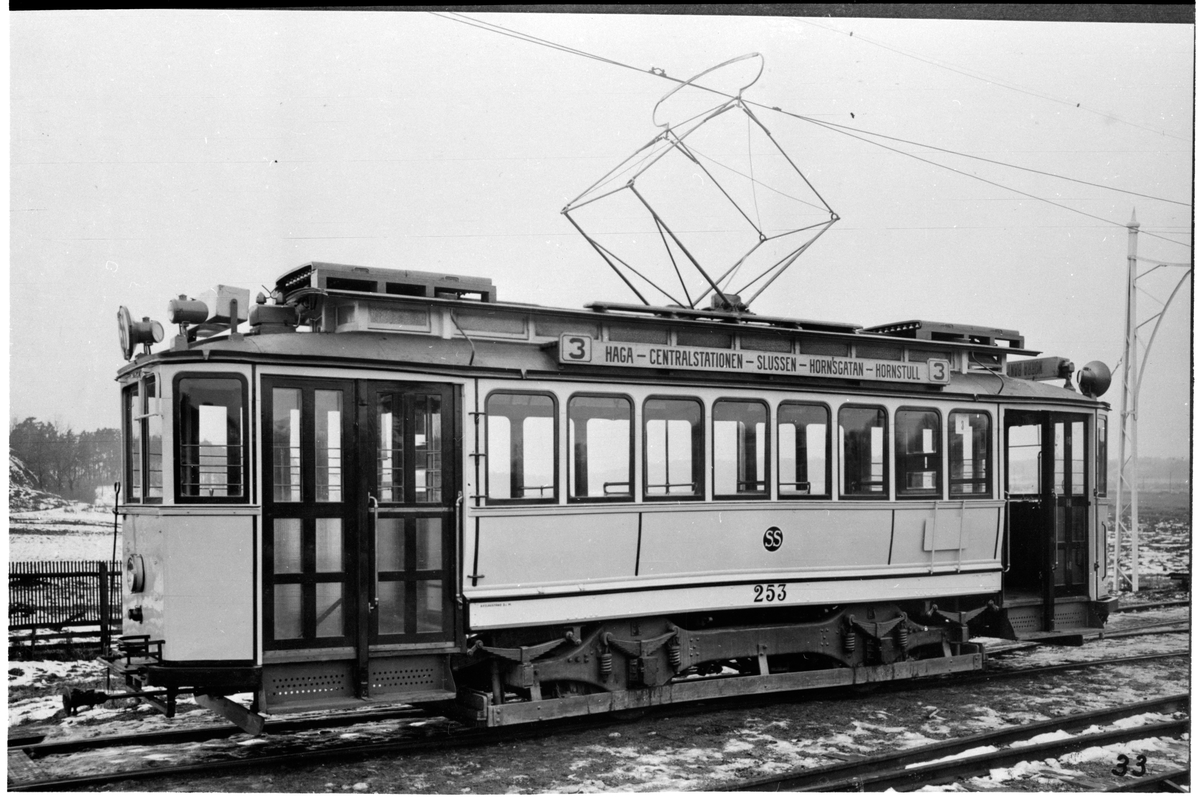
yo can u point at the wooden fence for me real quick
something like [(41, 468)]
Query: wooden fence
[(57, 595)]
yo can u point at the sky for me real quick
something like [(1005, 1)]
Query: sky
[(160, 153)]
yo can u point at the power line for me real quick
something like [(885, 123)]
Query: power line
[(493, 28), (996, 81)]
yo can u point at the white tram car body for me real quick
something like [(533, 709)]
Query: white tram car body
[(431, 496)]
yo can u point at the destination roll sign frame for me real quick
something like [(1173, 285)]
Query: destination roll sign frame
[(585, 350)]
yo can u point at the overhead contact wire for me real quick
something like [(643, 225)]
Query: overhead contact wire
[(839, 129)]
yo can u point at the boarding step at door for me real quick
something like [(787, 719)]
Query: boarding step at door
[(1074, 622), (330, 685)]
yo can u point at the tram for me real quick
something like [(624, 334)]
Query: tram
[(388, 486)]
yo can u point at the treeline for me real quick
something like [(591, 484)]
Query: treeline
[(62, 461)]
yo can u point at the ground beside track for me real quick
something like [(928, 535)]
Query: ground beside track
[(714, 749)]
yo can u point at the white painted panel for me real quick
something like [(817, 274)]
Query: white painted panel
[(948, 536), (547, 549), (577, 607), (729, 542), (142, 535), (208, 588)]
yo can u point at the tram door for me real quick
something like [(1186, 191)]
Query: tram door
[(358, 537), (1047, 486)]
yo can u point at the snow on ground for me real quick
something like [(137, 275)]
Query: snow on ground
[(64, 534)]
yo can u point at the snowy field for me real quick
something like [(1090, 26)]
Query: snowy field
[(72, 533)]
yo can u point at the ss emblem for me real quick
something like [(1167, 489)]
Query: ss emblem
[(773, 538)]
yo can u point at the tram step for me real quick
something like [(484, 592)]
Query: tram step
[(350, 703), (1069, 637)]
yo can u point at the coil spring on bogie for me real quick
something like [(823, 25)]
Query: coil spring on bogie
[(674, 655), (851, 640), (902, 634), (606, 663)]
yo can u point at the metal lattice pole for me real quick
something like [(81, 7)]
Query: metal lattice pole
[(1127, 509)]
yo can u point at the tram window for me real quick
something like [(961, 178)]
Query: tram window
[(1069, 458), (153, 437), (740, 453), (328, 451), (918, 453), (674, 448), (210, 442), (132, 406), (1102, 455), (1024, 446), (803, 440), (600, 430), (522, 444), (285, 443), (970, 454), (143, 441), (863, 445)]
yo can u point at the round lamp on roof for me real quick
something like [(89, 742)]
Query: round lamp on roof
[(1094, 379), (131, 333)]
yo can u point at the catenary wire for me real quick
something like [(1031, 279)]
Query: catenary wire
[(998, 82), (491, 27)]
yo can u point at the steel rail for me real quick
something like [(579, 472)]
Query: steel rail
[(458, 738), (38, 747), (465, 738), (1144, 607), (948, 771), (895, 769), (1172, 781)]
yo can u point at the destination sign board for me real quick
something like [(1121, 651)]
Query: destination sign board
[(585, 350)]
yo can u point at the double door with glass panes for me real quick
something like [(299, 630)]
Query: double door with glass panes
[(1048, 479), (358, 503)]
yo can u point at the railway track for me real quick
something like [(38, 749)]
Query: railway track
[(943, 762), (24, 755)]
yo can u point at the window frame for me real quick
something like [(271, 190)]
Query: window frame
[(885, 494), (633, 417), (487, 472), (177, 439), (829, 427), (937, 493), (765, 493), (989, 457), (139, 413), (698, 452)]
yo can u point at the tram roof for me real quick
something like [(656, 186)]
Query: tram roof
[(462, 356)]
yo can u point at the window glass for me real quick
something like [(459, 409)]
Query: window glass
[(328, 453), (739, 448), (329, 545), (288, 614), (390, 467), (329, 609), (1078, 458), (429, 607), (674, 448), (970, 454), (429, 543), (600, 430), (1102, 455), (862, 433), (285, 443), (803, 434), (1024, 459), (153, 435), (427, 448), (211, 447), (521, 447), (288, 546), (918, 453), (133, 443)]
